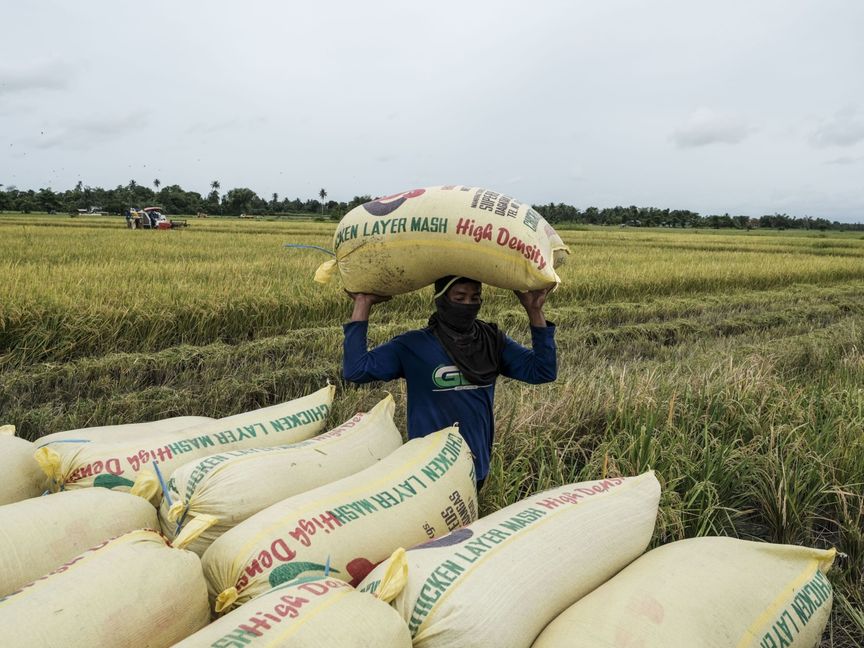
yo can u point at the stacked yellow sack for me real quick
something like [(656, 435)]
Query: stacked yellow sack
[(423, 490), (210, 496), (128, 432), (500, 580), (706, 592), (42, 533), (20, 477), (134, 590), (119, 465), (309, 613), (406, 241)]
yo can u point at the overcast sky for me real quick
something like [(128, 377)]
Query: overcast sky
[(746, 107)]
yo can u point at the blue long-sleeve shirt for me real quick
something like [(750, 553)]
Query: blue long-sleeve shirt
[(438, 395)]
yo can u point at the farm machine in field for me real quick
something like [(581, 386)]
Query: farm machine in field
[(151, 218)]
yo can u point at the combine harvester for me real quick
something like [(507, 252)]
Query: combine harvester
[(151, 218)]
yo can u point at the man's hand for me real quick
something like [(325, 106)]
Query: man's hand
[(363, 303), (532, 301)]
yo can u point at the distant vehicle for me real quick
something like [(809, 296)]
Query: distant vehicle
[(90, 211), (155, 214), (151, 218)]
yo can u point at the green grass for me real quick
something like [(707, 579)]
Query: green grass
[(730, 363)]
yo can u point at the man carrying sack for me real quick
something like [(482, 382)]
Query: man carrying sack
[(451, 365)]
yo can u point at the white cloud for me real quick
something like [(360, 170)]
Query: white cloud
[(85, 133), (845, 128), (232, 124), (844, 160), (705, 126), (576, 173), (53, 75)]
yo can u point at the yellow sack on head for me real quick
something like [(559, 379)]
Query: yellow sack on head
[(501, 579), (232, 486), (42, 533), (118, 465), (308, 613), (134, 590), (422, 490), (406, 241), (706, 592), (20, 475)]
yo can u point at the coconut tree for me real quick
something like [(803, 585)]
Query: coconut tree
[(322, 194), (156, 183), (214, 194)]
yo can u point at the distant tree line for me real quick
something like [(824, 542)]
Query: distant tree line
[(242, 200), (172, 198), (654, 217)]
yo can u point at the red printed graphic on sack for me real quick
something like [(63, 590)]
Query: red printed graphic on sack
[(389, 204)]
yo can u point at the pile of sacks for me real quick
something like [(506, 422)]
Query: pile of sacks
[(349, 537), (565, 568), (198, 515)]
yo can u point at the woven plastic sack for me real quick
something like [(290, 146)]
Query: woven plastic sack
[(500, 580), (119, 465), (116, 433), (134, 590), (406, 241), (20, 476), (210, 496), (309, 613), (40, 534), (560, 251), (706, 592), (423, 490)]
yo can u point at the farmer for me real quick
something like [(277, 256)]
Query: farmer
[(451, 365)]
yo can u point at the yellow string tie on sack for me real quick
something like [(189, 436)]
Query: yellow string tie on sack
[(193, 530), (176, 511), (226, 599), (146, 485), (395, 577), (324, 273), (50, 463)]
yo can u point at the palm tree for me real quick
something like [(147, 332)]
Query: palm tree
[(323, 195), (215, 187), (156, 183)]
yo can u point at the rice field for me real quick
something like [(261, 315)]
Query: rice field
[(732, 363)]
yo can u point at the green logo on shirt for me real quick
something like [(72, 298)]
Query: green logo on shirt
[(449, 377)]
